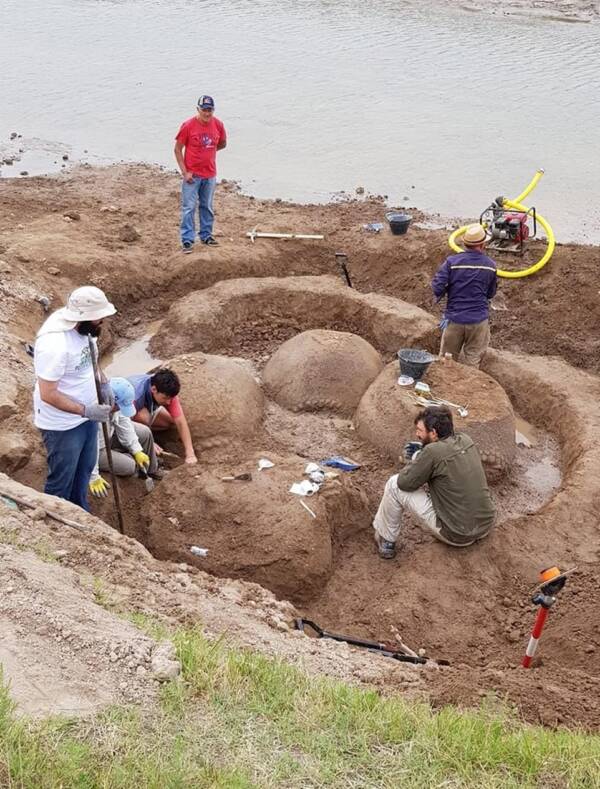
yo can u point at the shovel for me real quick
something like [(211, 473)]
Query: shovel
[(105, 433)]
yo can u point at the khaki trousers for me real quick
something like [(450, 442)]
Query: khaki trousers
[(470, 338), (123, 463), (389, 515)]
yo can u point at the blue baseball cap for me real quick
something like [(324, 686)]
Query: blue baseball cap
[(124, 395), (206, 103)]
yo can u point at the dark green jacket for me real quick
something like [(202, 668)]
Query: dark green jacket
[(457, 485)]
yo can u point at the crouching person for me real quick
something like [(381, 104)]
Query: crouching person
[(132, 445), (158, 406), (457, 507)]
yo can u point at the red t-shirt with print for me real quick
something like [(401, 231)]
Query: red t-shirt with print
[(200, 141)]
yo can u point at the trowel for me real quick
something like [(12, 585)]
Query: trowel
[(246, 476), (148, 481)]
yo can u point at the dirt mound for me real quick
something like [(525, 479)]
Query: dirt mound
[(246, 315), (107, 576), (61, 652), (222, 400), (255, 530), (386, 412), (321, 370)]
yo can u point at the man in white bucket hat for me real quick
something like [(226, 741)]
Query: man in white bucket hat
[(65, 403)]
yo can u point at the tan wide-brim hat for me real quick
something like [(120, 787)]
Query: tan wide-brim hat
[(88, 304), (474, 235)]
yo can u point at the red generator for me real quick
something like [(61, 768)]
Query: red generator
[(508, 230)]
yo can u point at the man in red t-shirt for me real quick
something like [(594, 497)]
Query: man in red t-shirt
[(196, 146)]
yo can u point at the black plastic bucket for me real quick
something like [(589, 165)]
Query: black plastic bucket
[(414, 362), (399, 222)]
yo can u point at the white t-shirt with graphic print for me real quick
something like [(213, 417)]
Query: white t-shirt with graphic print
[(63, 356)]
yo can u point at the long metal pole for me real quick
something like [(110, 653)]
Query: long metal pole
[(106, 435)]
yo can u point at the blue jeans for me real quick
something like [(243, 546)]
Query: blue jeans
[(200, 192), (72, 456)]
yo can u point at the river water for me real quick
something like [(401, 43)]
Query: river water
[(430, 104)]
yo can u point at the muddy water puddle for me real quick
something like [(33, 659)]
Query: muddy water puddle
[(525, 434), (132, 357), (541, 457), (535, 476)]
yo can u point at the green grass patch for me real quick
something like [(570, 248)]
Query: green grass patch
[(42, 549), (237, 719)]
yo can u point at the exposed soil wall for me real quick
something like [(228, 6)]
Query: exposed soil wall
[(240, 316)]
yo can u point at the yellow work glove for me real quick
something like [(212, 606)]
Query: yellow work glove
[(142, 459), (99, 487)]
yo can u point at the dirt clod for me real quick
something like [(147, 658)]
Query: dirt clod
[(164, 664), (129, 234)]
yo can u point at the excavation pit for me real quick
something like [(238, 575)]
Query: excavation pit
[(470, 606), (328, 567), (253, 316)]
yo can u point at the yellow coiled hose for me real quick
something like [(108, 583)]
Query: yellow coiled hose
[(517, 205)]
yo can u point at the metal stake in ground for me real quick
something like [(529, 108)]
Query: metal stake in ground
[(552, 581), (342, 259), (106, 435)]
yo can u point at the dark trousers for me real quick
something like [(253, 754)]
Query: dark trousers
[(71, 459)]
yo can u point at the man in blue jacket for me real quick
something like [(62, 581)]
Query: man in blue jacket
[(469, 281)]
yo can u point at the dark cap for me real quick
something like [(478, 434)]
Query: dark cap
[(206, 103)]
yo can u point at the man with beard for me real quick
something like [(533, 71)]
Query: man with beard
[(66, 408), (457, 508)]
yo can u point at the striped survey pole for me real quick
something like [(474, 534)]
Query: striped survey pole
[(552, 581), (540, 621)]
